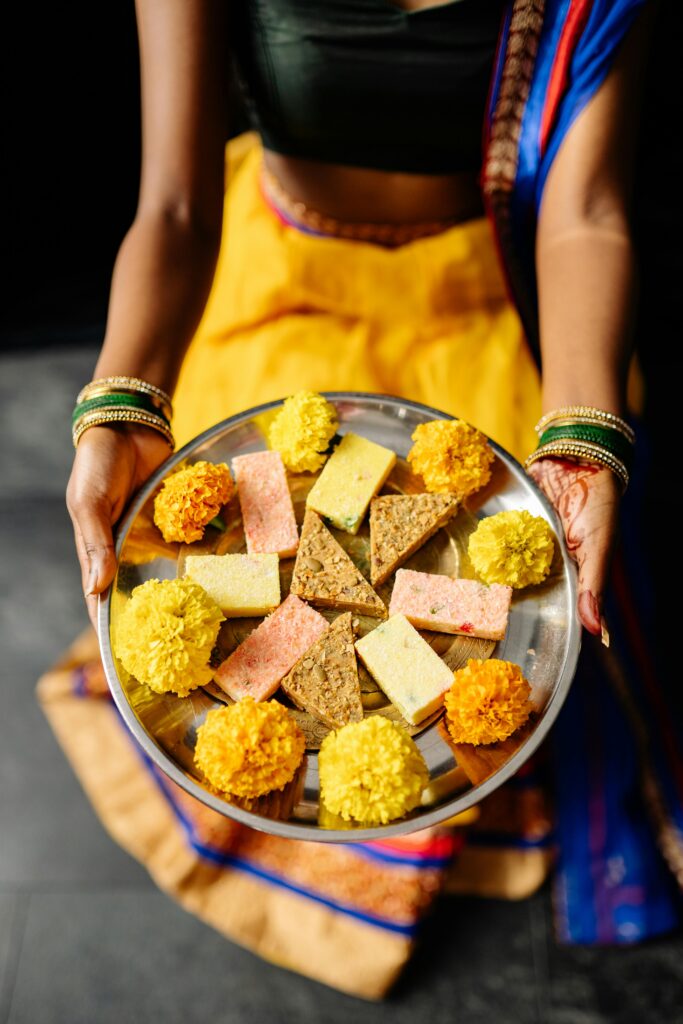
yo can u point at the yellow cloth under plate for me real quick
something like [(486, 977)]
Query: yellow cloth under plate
[(429, 321)]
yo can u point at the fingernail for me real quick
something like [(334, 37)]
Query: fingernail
[(604, 632), (589, 609), (92, 579)]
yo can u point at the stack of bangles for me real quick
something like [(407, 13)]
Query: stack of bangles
[(583, 433), (112, 400)]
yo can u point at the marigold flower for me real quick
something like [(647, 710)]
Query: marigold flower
[(451, 457), (302, 430), (371, 771), (165, 634), (249, 748), (190, 499), (514, 548), (487, 702)]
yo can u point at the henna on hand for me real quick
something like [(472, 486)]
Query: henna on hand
[(586, 498)]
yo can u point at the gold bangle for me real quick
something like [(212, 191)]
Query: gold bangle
[(584, 414), (132, 385), (585, 450), (589, 448), (102, 417)]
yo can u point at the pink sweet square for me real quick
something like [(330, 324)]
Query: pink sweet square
[(256, 667), (267, 510), (432, 601)]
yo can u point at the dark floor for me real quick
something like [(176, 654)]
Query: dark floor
[(85, 937)]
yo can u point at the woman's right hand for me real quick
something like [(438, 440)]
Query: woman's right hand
[(111, 464)]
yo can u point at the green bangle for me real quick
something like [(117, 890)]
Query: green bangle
[(115, 400), (606, 437)]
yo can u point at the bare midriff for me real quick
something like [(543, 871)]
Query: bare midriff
[(358, 195)]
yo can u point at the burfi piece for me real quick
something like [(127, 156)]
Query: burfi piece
[(325, 681), (412, 675), (446, 605), (239, 584), (267, 509), (354, 472), (400, 524), (256, 668), (325, 575)]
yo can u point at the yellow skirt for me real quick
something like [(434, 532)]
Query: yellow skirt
[(429, 321)]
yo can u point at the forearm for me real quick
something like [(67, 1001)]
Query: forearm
[(587, 285), (160, 285)]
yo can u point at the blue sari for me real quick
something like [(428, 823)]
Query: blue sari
[(617, 747)]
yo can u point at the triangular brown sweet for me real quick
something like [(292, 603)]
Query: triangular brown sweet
[(325, 681), (400, 524), (325, 575)]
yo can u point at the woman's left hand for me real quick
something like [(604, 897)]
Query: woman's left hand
[(586, 498)]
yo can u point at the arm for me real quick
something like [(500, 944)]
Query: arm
[(165, 266), (587, 282)]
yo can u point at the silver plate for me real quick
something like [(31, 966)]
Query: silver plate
[(543, 635)]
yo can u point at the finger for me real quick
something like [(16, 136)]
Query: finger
[(95, 546), (593, 558), (92, 603)]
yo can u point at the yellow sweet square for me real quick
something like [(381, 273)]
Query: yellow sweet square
[(350, 478), (410, 672), (240, 585)]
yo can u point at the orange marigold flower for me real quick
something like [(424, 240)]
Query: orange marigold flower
[(487, 702), (190, 499), (451, 457), (249, 748)]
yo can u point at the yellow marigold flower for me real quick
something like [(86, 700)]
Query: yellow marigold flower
[(189, 500), (488, 701), (451, 456), (249, 748), (302, 430), (371, 771), (165, 634), (514, 548)]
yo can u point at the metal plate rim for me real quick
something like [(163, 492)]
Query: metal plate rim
[(313, 832)]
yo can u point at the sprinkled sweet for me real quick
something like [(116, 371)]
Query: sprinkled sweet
[(488, 701), (302, 430), (249, 748), (165, 634), (352, 476), (514, 548), (451, 456), (371, 771), (256, 667), (410, 672), (432, 601), (190, 498), (266, 504)]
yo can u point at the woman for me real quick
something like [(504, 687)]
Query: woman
[(358, 252)]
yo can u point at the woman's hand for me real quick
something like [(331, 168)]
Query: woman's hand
[(111, 463), (586, 498)]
